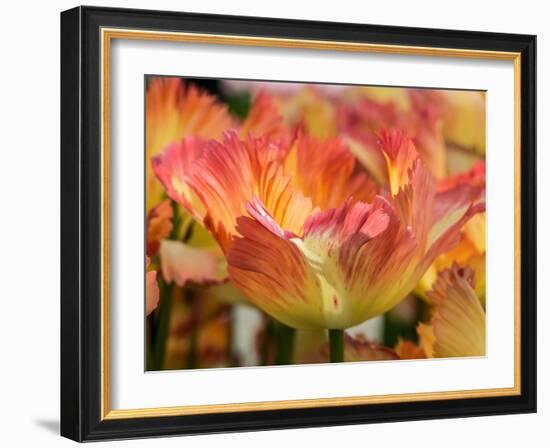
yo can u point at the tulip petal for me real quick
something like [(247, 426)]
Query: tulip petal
[(360, 349), (458, 318), (424, 349), (426, 338), (401, 156), (273, 274), (427, 129), (264, 119), (159, 226), (445, 234), (406, 349), (459, 191), (324, 170), (361, 123), (173, 166), (370, 156), (294, 279), (181, 263), (464, 119), (151, 289), (414, 202), (231, 173), (455, 196), (312, 110)]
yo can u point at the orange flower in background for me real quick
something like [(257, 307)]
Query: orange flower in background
[(181, 263), (406, 349), (361, 122), (427, 121), (409, 350), (463, 111), (458, 318), (312, 111), (360, 349), (471, 248), (180, 115), (457, 324), (264, 120), (412, 111), (159, 226), (174, 110), (151, 289)]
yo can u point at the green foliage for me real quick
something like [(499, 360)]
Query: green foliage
[(239, 104)]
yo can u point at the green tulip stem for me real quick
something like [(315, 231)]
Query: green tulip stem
[(192, 352), (336, 341), (285, 344), (163, 325)]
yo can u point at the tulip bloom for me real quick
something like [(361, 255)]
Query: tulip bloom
[(348, 264)]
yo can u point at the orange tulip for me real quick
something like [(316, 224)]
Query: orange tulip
[(339, 267)]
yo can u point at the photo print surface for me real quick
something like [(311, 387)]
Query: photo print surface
[(292, 223)]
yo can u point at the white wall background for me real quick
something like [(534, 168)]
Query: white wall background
[(29, 223)]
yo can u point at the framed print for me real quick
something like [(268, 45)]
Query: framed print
[(276, 224)]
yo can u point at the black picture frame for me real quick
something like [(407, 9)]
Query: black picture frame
[(81, 209)]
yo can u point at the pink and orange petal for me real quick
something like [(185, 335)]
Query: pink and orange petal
[(151, 289)]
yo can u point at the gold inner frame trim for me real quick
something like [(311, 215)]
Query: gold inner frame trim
[(107, 35)]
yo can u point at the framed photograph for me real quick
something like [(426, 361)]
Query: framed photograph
[(273, 223)]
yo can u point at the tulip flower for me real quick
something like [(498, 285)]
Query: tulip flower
[(348, 264)]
